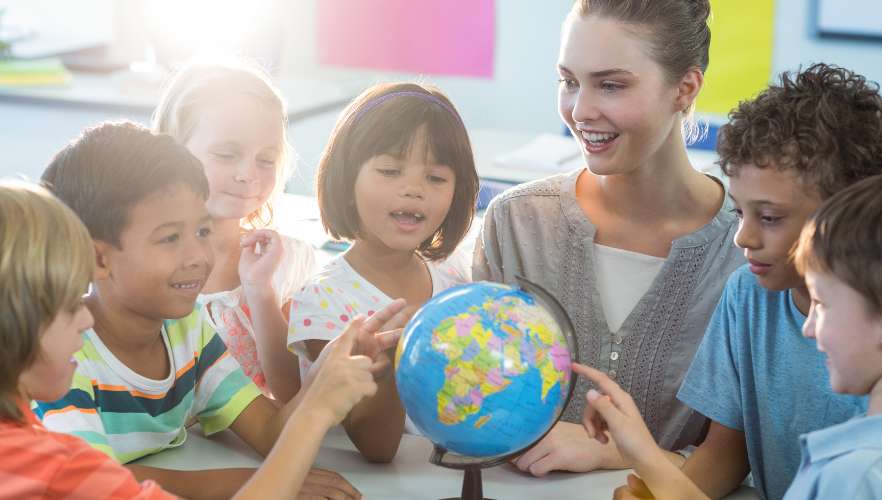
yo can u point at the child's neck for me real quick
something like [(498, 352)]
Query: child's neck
[(397, 274), (875, 405), (133, 339), (225, 238), (801, 298)]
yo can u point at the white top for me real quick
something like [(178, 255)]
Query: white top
[(321, 310), (231, 319), (623, 277)]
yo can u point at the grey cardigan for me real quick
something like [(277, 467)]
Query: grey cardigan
[(539, 231)]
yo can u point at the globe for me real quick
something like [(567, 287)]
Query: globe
[(483, 370)]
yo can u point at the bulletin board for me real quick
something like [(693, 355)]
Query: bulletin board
[(437, 37), (850, 19), (740, 53)]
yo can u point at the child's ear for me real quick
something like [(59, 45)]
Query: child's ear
[(688, 88), (102, 268)]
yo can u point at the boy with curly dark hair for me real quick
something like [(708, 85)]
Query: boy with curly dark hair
[(761, 383)]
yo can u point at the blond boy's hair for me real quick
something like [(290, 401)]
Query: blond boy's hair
[(46, 262), (199, 85), (844, 238)]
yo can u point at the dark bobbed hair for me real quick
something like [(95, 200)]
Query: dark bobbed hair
[(374, 124)]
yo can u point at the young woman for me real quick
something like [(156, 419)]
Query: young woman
[(637, 245)]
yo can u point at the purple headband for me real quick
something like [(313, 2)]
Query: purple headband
[(404, 93)]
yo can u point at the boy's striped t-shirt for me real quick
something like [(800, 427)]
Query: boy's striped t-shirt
[(37, 463), (129, 416)]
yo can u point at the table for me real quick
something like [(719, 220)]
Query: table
[(409, 476)]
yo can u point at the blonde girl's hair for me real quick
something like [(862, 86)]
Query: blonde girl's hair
[(198, 85), (46, 262)]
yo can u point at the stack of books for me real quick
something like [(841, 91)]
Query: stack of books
[(33, 72)]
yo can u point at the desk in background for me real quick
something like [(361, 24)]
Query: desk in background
[(409, 476), (131, 93), (488, 145), (37, 122)]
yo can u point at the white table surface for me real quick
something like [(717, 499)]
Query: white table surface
[(409, 476)]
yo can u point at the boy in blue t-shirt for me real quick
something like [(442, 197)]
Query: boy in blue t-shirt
[(758, 380), (840, 254)]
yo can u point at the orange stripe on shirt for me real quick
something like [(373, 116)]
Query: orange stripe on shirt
[(190, 364), (70, 408)]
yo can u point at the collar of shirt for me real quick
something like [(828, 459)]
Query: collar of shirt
[(857, 433)]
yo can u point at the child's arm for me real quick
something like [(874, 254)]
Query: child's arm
[(487, 258), (376, 424), (341, 380), (719, 464), (612, 410), (279, 365), (195, 484)]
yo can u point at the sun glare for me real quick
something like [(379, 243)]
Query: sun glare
[(205, 27)]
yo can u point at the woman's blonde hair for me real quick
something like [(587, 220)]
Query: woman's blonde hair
[(46, 262), (200, 84)]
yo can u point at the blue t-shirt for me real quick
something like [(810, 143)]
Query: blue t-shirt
[(755, 372), (843, 461)]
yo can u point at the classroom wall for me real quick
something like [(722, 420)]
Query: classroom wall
[(796, 43), (522, 94), (520, 97)]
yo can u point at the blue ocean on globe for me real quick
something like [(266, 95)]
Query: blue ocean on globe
[(483, 369)]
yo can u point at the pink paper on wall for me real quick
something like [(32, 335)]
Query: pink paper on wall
[(440, 37)]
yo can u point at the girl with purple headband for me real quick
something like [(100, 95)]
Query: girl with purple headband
[(398, 180)]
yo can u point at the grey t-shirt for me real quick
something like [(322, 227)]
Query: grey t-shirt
[(538, 230)]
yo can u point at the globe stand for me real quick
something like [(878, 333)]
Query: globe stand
[(472, 484)]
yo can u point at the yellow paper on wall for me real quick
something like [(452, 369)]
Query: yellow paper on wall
[(740, 53)]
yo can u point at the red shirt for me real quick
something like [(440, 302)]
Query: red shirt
[(38, 463)]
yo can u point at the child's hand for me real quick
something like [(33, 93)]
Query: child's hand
[(634, 490), (613, 410), (262, 252), (339, 379), (389, 322), (321, 483)]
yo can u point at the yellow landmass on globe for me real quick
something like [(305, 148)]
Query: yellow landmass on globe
[(467, 381), (481, 421), (475, 371)]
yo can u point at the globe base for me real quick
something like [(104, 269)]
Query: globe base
[(472, 485)]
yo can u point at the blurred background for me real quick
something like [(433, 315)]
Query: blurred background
[(67, 65)]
